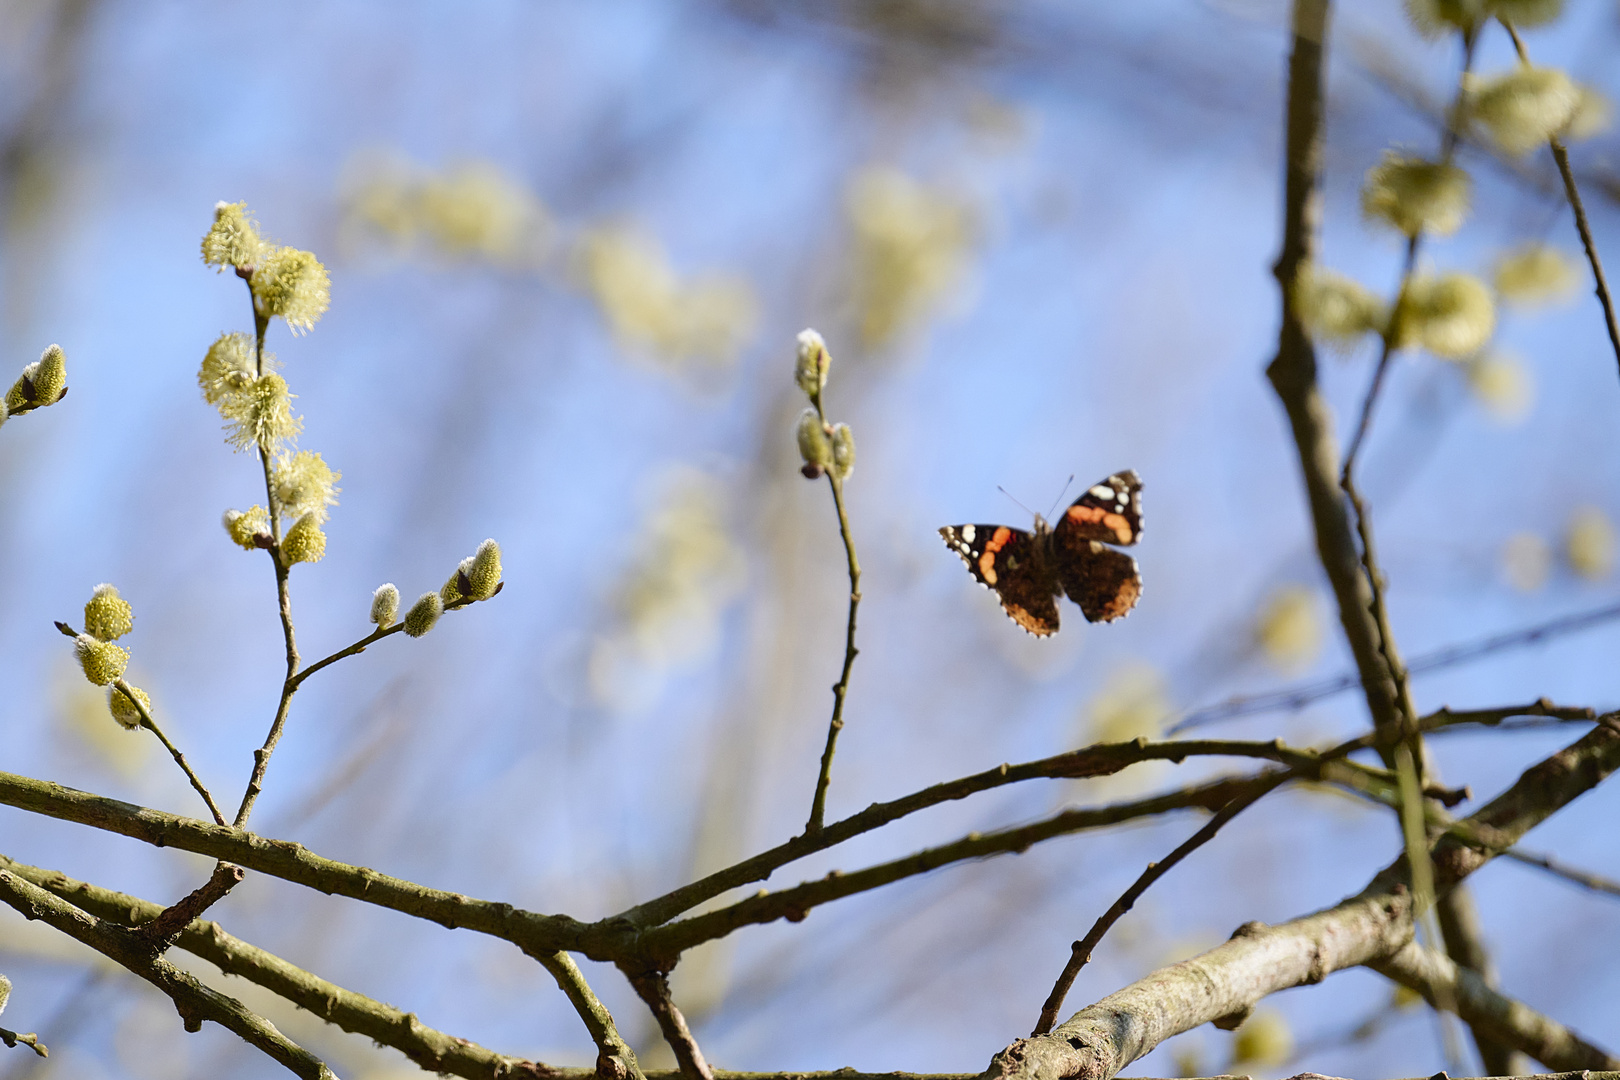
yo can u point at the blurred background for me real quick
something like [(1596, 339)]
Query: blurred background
[(570, 246)]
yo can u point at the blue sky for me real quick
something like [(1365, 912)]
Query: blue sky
[(1114, 310)]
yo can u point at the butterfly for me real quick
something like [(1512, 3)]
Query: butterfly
[(1029, 571)]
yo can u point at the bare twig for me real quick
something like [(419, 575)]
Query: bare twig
[(1584, 878), (174, 751), (614, 1058), (1080, 952), (162, 930), (818, 805), (1303, 694), (653, 986), (1561, 156)]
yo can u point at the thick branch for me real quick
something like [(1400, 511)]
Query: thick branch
[(435, 1051), (1099, 1041), (614, 1058), (194, 1001), (1508, 1023), (295, 863)]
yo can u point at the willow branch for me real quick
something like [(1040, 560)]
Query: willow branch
[(1584, 878), (1302, 694), (653, 987), (615, 1060), (1508, 1022), (120, 686), (435, 1051), (297, 864), (29, 1039), (1372, 926), (261, 756), (1080, 952), (194, 1001), (662, 945), (1092, 761), (818, 805)]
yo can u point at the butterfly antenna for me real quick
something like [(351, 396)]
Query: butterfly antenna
[(1068, 484), (1016, 503)]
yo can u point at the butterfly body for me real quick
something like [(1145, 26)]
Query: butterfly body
[(1028, 571)]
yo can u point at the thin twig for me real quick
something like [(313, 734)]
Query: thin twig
[(149, 724), (1303, 694), (261, 756), (1584, 878), (1080, 951), (1448, 149), (818, 805), (653, 987), (1561, 156), (614, 1058), (25, 1038)]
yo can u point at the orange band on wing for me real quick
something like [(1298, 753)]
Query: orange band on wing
[(1092, 515), (987, 559)]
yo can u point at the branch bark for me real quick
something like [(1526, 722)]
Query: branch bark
[(194, 1001), (1372, 926), (433, 1050)]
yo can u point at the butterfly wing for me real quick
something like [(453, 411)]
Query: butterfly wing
[(1110, 510), (1104, 582), (1004, 559)]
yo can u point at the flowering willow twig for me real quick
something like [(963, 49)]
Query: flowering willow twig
[(829, 450)]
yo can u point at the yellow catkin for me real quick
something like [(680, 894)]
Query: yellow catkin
[(107, 615)]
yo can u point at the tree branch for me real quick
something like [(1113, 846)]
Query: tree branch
[(1374, 925), (1080, 953), (653, 986), (1510, 1023), (295, 863), (435, 1051), (194, 1001), (614, 1058)]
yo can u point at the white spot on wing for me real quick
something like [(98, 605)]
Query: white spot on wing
[(1102, 492), (967, 533)]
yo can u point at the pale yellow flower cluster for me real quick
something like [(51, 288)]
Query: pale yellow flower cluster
[(912, 246), (705, 319), (470, 210), (685, 576), (1289, 627)]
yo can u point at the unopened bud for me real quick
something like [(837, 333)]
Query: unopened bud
[(22, 392), (123, 710), (385, 605), (485, 574), (50, 377), (459, 583), (810, 370), (102, 660), (108, 616), (304, 542), (423, 614), (814, 445), (843, 451)]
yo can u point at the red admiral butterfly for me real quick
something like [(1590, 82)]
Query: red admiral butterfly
[(1029, 571)]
